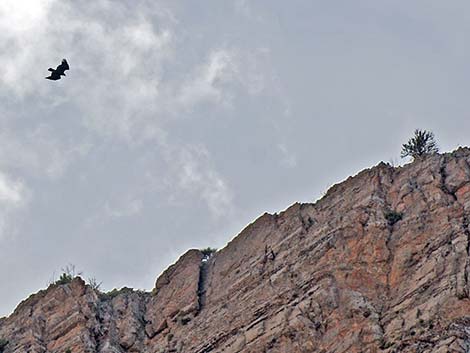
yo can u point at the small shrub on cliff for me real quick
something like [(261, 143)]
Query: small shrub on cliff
[(208, 252), (64, 279), (68, 274), (94, 284), (421, 144), (393, 217), (3, 344)]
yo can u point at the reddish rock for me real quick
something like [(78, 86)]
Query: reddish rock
[(380, 264), (175, 300)]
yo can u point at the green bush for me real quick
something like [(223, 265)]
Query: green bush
[(64, 278), (68, 274), (208, 252), (421, 144), (393, 217)]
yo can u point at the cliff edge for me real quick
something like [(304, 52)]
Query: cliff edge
[(379, 264)]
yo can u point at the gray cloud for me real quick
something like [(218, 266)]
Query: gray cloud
[(194, 173), (179, 123), (13, 196)]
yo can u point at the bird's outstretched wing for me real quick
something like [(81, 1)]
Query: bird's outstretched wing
[(63, 66), (59, 71), (54, 76)]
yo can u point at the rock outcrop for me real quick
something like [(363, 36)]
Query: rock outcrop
[(380, 264)]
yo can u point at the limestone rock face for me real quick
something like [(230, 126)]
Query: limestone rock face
[(380, 264), (176, 299)]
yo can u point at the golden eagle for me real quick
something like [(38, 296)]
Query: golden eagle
[(59, 71)]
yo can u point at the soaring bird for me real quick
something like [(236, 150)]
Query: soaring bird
[(59, 71)]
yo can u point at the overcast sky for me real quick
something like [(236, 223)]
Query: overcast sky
[(180, 122)]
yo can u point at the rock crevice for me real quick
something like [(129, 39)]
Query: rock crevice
[(338, 275)]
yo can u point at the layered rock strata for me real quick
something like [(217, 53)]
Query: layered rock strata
[(380, 264)]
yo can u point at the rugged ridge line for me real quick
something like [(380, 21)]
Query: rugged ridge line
[(379, 264)]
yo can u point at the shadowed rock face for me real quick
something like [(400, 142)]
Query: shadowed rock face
[(380, 264)]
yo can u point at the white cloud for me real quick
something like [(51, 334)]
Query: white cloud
[(23, 25), (193, 172), (119, 85), (286, 158), (227, 72), (116, 63), (205, 83), (13, 197), (119, 64), (11, 191), (118, 88), (24, 15), (36, 152)]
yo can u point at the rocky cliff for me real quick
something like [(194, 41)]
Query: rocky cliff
[(379, 264)]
